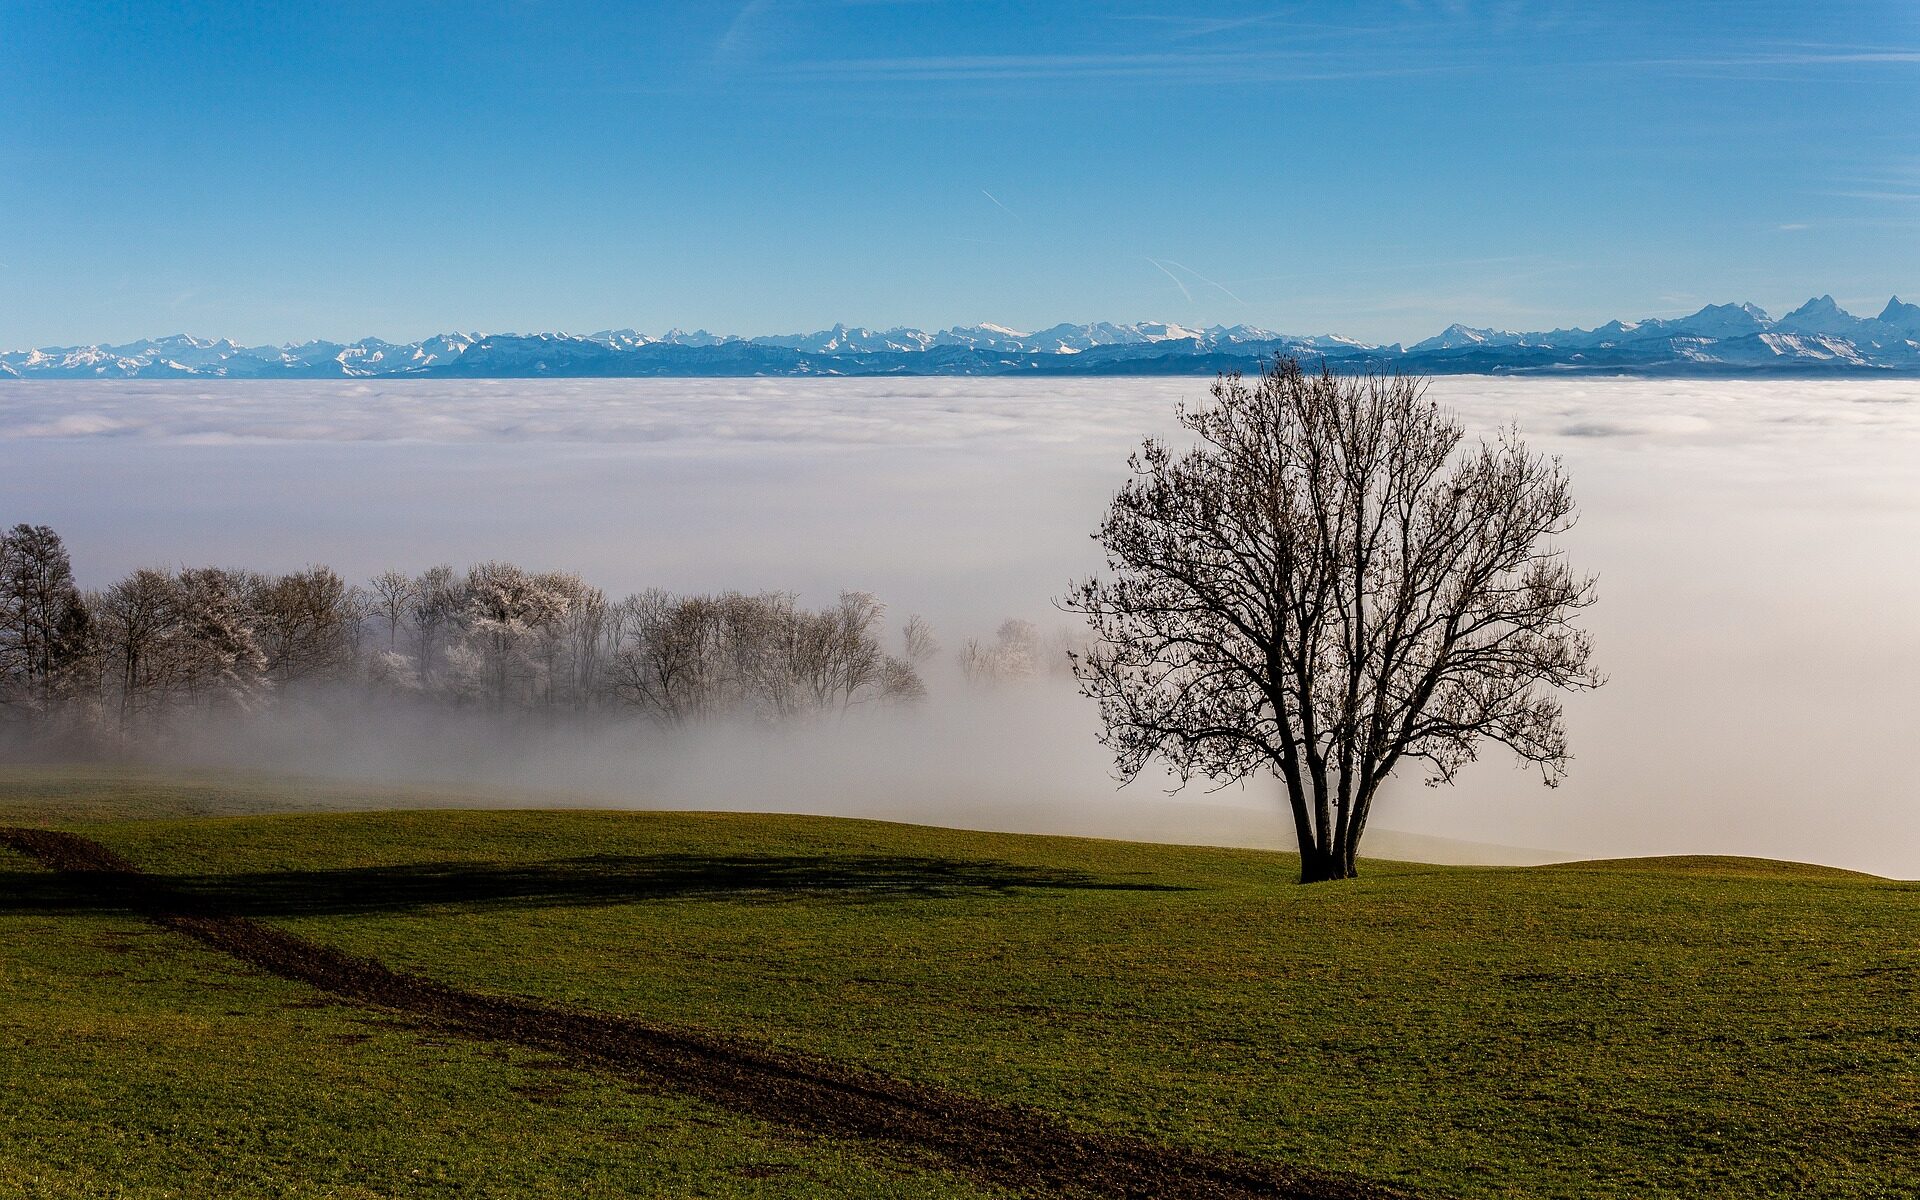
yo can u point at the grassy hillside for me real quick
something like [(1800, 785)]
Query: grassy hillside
[(1692, 1027)]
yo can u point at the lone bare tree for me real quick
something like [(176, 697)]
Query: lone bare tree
[(1326, 585)]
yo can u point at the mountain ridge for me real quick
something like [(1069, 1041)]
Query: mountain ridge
[(1818, 337)]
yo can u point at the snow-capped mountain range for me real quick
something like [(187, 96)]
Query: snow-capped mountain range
[(1819, 337)]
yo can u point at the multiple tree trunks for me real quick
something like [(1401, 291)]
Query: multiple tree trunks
[(1001, 1144)]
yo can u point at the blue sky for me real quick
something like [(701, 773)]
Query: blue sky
[(274, 172)]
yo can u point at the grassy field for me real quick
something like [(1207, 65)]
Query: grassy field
[(1690, 1027)]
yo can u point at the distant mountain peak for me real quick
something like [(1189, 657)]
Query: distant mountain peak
[(1818, 336), (1458, 336), (1818, 304), (1904, 317)]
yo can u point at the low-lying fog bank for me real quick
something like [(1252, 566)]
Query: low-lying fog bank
[(1758, 546)]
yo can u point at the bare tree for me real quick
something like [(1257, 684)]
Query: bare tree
[(304, 623), (45, 629), (436, 605), (393, 596), (899, 682), (836, 654), (918, 640), (976, 662), (1327, 584), (133, 617), (586, 638), (672, 663), (1017, 649)]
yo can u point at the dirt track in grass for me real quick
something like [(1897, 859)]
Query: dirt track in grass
[(1005, 1145)]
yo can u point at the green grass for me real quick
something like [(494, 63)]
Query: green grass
[(1698, 1027)]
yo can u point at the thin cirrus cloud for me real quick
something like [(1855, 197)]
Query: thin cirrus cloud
[(1198, 67), (1803, 56), (742, 35)]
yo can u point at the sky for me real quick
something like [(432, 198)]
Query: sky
[(275, 172)]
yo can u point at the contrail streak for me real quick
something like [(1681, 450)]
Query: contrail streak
[(1209, 282), (1177, 282), (996, 203)]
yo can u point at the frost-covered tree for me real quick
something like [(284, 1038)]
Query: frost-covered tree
[(215, 653), (508, 615), (581, 645)]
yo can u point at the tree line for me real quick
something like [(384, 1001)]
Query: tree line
[(136, 657)]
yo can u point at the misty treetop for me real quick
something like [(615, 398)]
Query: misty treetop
[(134, 658)]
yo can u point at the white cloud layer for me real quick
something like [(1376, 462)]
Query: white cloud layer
[(1758, 546)]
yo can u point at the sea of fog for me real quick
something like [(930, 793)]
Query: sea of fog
[(1758, 547)]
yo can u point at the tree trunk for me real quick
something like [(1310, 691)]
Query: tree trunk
[(1321, 866), (1325, 849), (1357, 824)]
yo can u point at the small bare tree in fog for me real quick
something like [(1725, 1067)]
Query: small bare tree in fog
[(836, 653), (762, 646), (1326, 585), (393, 596), (917, 639), (1013, 655), (436, 605), (1017, 649), (900, 682), (586, 638), (976, 662)]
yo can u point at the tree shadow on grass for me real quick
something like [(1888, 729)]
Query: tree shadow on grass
[(571, 882)]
